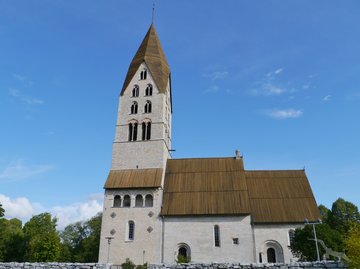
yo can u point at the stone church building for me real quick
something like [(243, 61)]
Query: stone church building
[(204, 209)]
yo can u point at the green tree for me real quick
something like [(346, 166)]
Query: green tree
[(2, 211), (92, 241), (41, 238), (11, 240), (324, 213), (352, 243), (303, 247), (343, 215), (80, 241), (71, 242)]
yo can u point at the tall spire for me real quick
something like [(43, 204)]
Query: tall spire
[(150, 52), (153, 12)]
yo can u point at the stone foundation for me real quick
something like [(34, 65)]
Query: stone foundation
[(295, 265)]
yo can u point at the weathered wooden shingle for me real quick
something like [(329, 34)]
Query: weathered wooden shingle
[(134, 178), (150, 52), (211, 186), (221, 186)]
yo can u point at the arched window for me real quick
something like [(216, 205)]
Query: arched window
[(217, 236), (143, 74), (147, 107), (134, 108), (135, 91), (117, 201), (146, 130), (127, 201), (139, 201), (291, 236), (133, 127), (148, 90), (149, 200), (183, 253), (131, 230), (271, 256)]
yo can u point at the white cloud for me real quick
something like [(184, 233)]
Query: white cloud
[(19, 77), (212, 89), (19, 170), (284, 113), (23, 209), (78, 211), (270, 89), (327, 98), (25, 98), (20, 207), (273, 74), (217, 75)]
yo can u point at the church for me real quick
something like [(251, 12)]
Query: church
[(163, 210)]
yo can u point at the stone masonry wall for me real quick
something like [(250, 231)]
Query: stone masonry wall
[(53, 265), (294, 265)]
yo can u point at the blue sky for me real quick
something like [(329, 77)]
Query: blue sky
[(278, 80)]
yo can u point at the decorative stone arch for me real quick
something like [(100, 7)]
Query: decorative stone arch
[(146, 129), (184, 250), (133, 130), (117, 201), (149, 200), (139, 200), (272, 252)]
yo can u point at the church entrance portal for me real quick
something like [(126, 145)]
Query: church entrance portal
[(271, 256), (183, 253)]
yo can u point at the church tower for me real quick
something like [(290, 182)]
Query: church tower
[(131, 224), (142, 138)]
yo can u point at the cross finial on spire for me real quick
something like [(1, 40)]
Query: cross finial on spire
[(153, 12)]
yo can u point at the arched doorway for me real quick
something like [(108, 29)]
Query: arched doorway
[(183, 253), (273, 251), (271, 256)]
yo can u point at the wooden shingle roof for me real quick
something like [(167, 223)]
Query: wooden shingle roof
[(221, 186), (280, 196), (150, 52), (134, 178), (205, 187)]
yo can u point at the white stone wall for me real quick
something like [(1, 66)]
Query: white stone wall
[(270, 234), (198, 234), (144, 154), (146, 246)]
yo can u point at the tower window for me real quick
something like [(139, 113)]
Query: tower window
[(134, 108), (291, 236), (149, 200), (135, 91), (127, 201), (143, 74), (146, 130), (217, 236), (117, 201), (139, 201), (148, 90), (131, 228), (133, 127), (147, 107)]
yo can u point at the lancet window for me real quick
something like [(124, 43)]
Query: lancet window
[(134, 108), (143, 74), (146, 130), (133, 128), (149, 90), (135, 91), (147, 107)]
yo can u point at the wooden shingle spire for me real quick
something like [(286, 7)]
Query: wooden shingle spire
[(150, 52)]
